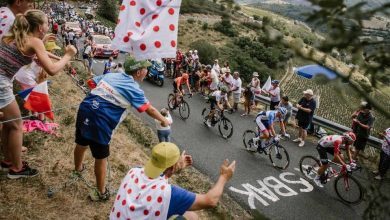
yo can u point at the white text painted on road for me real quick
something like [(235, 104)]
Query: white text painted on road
[(270, 188)]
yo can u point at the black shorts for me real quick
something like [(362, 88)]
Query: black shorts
[(99, 151), (303, 124), (175, 87), (213, 102), (85, 56), (360, 143), (273, 105), (323, 152)]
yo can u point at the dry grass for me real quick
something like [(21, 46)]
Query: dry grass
[(53, 156)]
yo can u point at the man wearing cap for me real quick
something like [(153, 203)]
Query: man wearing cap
[(306, 107), (362, 122), (274, 92), (146, 194), (103, 110)]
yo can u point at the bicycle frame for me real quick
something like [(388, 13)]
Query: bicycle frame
[(343, 172)]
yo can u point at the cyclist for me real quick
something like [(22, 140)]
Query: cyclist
[(178, 86), (217, 98), (265, 124), (331, 145)]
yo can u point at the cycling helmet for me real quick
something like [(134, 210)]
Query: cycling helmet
[(208, 67), (223, 89), (275, 81), (350, 136), (282, 110), (185, 76)]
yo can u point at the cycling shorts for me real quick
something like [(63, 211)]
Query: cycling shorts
[(213, 102), (175, 89), (262, 124), (323, 152)]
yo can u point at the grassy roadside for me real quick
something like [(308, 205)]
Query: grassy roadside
[(53, 156)]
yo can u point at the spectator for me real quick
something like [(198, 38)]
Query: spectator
[(236, 89), (71, 36), (55, 28), (25, 37), (227, 79), (98, 117), (274, 92), (216, 66), (13, 8), (286, 104), (147, 194), (384, 159), (306, 107), (255, 86), (248, 95), (214, 80), (195, 55), (88, 56), (108, 65), (163, 133), (119, 68), (178, 60), (362, 122), (205, 80)]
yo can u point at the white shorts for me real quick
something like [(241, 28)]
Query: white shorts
[(6, 91), (236, 97)]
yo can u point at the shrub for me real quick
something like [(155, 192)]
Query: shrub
[(225, 26), (205, 26), (207, 52), (191, 20), (108, 9), (256, 17)]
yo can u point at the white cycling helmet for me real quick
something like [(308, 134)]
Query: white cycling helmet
[(282, 110), (350, 136)]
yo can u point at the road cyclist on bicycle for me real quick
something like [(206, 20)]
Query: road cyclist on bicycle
[(331, 145), (265, 124), (217, 99), (178, 90)]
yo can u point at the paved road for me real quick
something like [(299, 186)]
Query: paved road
[(256, 184)]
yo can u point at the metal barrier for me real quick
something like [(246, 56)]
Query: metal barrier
[(325, 123)]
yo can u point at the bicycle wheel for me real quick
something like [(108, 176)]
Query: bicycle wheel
[(247, 138), (308, 166), (348, 189), (225, 128), (184, 110), (279, 157), (171, 101)]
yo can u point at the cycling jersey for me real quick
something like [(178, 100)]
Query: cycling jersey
[(265, 118), (331, 141), (218, 96), (181, 80)]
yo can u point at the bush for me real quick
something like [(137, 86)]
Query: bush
[(256, 17), (207, 52), (205, 26), (191, 20), (225, 26), (108, 9)]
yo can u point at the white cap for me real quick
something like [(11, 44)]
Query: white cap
[(195, 51), (308, 92)]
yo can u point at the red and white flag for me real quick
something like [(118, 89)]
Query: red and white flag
[(37, 99), (148, 28)]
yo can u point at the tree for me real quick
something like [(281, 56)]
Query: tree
[(207, 52), (108, 9), (237, 7)]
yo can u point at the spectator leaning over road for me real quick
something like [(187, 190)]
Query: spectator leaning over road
[(103, 110), (384, 159), (274, 92), (248, 96), (285, 103), (306, 107), (236, 89), (163, 133), (17, 49), (362, 122), (146, 194)]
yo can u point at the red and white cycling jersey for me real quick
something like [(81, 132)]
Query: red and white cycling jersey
[(331, 141)]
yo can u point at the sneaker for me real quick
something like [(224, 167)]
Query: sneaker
[(297, 140), (26, 171), (378, 177), (96, 196), (317, 181), (301, 144), (4, 166), (243, 115)]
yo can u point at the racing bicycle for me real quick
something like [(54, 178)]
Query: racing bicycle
[(225, 126), (184, 107), (347, 187), (277, 154)]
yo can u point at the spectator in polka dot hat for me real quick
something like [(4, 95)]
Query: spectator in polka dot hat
[(146, 194), (7, 14)]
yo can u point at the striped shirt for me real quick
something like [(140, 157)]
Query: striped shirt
[(11, 59)]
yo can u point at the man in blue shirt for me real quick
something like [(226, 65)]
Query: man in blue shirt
[(146, 194), (107, 66), (103, 110)]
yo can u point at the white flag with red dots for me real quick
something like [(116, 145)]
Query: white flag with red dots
[(148, 28)]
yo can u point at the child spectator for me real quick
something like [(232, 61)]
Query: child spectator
[(17, 49), (163, 133), (286, 104), (248, 95)]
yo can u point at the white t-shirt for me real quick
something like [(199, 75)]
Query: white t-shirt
[(158, 123), (28, 74), (228, 80), (218, 96), (214, 80), (276, 92), (6, 20), (88, 49), (237, 84), (216, 68), (71, 35)]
